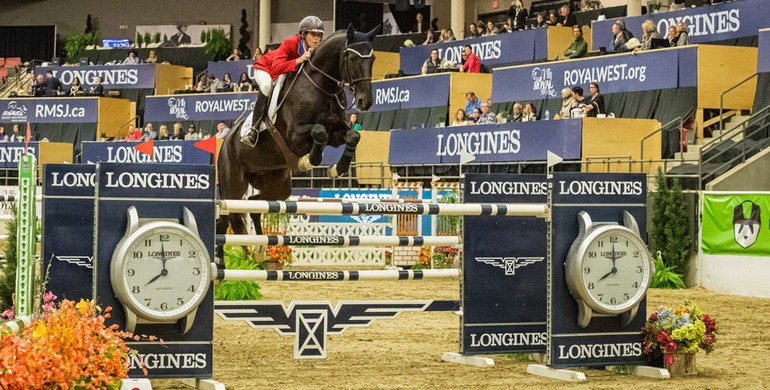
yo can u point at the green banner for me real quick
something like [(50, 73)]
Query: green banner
[(736, 224)]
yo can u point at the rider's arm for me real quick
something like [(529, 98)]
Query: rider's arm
[(282, 62)]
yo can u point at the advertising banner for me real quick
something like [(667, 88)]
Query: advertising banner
[(734, 224), (629, 73), (521, 141), (503, 49), (11, 152), (413, 92), (764, 52), (113, 76), (51, 110), (719, 22), (181, 34), (168, 152), (234, 68), (202, 107)]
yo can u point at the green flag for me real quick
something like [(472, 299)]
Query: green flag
[(736, 224)]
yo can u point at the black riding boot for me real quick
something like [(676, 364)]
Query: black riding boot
[(260, 112)]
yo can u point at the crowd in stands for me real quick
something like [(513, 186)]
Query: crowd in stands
[(176, 133)]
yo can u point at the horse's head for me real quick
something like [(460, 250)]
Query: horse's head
[(356, 65)]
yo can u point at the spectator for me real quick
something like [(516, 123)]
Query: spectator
[(3, 136), (591, 5), (491, 28), (473, 32), (506, 28), (539, 21), (163, 133), (649, 32), (672, 36), (579, 47), (472, 63), (619, 43), (52, 84), (38, 89), (354, 122), (432, 64), (460, 118), (567, 19), (529, 114), (473, 102), (682, 34), (152, 59), (429, 38), (481, 28), (222, 130), (149, 133), (76, 89), (16, 136), (132, 58), (133, 133), (474, 117), (203, 83), (227, 83), (257, 54), (487, 117), (235, 56), (244, 83), (567, 100), (178, 134), (517, 115), (213, 84), (97, 89), (420, 25), (595, 104), (626, 33), (580, 102), (447, 35), (191, 133), (517, 15)]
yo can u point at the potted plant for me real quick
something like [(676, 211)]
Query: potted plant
[(103, 136), (672, 337), (139, 40), (156, 38), (203, 36), (444, 256), (218, 45), (278, 256), (76, 44)]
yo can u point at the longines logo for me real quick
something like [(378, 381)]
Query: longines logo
[(177, 108), (80, 261), (14, 112), (509, 264)]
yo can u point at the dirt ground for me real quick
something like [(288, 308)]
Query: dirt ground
[(405, 352)]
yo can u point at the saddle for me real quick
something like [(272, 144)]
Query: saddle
[(272, 110)]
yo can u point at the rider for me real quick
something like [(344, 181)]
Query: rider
[(286, 58)]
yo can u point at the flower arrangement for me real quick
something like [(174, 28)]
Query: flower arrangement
[(684, 329), (67, 347), (443, 256), (280, 254), (424, 261)]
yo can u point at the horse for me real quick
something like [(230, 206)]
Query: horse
[(311, 116)]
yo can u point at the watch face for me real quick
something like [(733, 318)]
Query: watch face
[(162, 270), (615, 269)]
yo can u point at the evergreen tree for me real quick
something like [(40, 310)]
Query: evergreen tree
[(671, 228)]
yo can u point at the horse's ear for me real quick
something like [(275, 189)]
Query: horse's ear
[(351, 33), (371, 34)]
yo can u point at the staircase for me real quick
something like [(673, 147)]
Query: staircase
[(22, 80)]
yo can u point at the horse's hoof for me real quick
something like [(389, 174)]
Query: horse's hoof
[(333, 174), (304, 164)]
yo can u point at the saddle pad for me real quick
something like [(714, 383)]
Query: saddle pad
[(272, 110)]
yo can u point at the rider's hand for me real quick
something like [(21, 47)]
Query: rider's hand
[(304, 57)]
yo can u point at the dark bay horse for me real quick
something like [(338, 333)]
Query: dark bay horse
[(311, 117)]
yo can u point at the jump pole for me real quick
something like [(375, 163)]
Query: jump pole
[(338, 276), (345, 241)]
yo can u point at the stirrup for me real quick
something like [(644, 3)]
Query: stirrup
[(248, 139)]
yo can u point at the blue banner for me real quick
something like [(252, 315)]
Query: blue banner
[(622, 73), (11, 152), (168, 152), (412, 92), (210, 106), (524, 141), (706, 24), (113, 76), (50, 110), (764, 52), (234, 68), (503, 49)]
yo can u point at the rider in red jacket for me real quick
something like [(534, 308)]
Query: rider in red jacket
[(472, 63), (286, 58)]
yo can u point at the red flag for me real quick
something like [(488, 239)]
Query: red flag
[(27, 138), (209, 145), (146, 148)]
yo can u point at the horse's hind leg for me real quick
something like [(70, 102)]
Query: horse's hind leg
[(341, 167)]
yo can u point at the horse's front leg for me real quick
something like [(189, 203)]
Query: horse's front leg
[(320, 140), (341, 167)]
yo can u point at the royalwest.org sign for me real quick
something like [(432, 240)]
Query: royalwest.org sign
[(199, 107)]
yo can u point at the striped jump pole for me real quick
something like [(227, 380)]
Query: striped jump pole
[(15, 198), (338, 276), (246, 239), (15, 326), (539, 210)]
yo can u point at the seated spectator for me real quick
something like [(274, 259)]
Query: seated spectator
[(473, 102), (213, 84), (620, 40), (3, 136), (672, 36), (506, 28), (481, 28), (192, 134), (474, 116), (447, 35), (580, 102), (460, 118), (222, 130), (38, 89), (52, 84), (567, 19), (432, 64), (152, 59), (163, 133), (567, 99), (649, 32), (553, 20), (420, 25), (132, 58), (76, 89), (227, 84), (133, 133), (257, 54), (491, 29), (473, 32), (487, 117), (595, 104), (429, 38), (235, 56), (539, 21), (354, 122), (203, 83), (97, 89), (682, 33), (16, 136), (517, 114), (529, 114), (149, 133), (177, 134), (244, 83), (517, 15), (579, 47), (472, 63)]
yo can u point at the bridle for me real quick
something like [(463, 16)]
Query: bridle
[(355, 48)]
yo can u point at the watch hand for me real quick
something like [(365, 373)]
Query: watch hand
[(162, 273), (607, 274)]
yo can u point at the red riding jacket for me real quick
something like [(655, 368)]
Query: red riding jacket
[(472, 64), (283, 59)]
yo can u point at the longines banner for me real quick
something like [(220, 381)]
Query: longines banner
[(11, 152), (503, 49), (706, 24), (202, 107), (624, 73), (413, 92), (169, 152), (234, 68), (764, 52), (736, 224), (528, 141), (52, 110), (113, 76)]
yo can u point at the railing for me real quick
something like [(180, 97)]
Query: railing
[(660, 130), (318, 177), (722, 99)]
